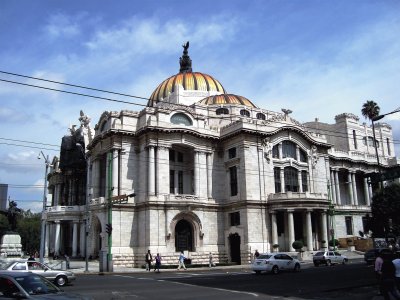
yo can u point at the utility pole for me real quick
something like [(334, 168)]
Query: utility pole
[(43, 220)]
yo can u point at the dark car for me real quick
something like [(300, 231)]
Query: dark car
[(27, 285), (371, 254)]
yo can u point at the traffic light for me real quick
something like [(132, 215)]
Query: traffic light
[(108, 228)]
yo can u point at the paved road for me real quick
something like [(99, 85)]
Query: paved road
[(353, 281)]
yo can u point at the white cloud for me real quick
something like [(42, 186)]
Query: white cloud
[(61, 25)]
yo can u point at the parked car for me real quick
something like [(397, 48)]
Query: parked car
[(59, 277), (328, 258), (27, 285), (274, 263), (371, 254)]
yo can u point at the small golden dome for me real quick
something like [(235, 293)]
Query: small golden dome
[(227, 99), (194, 81)]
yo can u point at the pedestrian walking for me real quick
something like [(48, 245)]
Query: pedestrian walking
[(181, 261), (148, 259), (388, 272), (256, 254), (66, 261), (377, 268), (396, 263), (211, 262), (158, 263)]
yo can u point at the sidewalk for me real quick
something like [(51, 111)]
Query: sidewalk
[(79, 266)]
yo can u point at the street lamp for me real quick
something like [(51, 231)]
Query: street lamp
[(43, 223)]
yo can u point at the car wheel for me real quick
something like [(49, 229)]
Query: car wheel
[(61, 280), (275, 270), (297, 267), (328, 262), (258, 272)]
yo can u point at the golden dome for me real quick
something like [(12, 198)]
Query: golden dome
[(227, 99), (190, 81)]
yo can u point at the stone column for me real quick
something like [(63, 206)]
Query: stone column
[(274, 228), (115, 172), (176, 182), (297, 153), (57, 238), (366, 194), (47, 241), (338, 200), (369, 194), (280, 150), (196, 174), (282, 172), (333, 187), (309, 231), (75, 239), (354, 186), (209, 175), (151, 183), (324, 227), (350, 185), (290, 229), (162, 173), (299, 181)]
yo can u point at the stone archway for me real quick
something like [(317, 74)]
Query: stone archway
[(183, 236)]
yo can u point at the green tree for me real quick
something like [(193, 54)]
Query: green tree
[(29, 229), (385, 207), (370, 109)]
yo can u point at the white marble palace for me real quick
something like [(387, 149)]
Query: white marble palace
[(211, 172)]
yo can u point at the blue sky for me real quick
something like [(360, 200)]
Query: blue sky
[(318, 58)]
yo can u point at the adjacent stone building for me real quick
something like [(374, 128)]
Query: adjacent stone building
[(210, 172)]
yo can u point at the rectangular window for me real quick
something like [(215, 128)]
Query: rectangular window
[(355, 139), (233, 180), (172, 155), (304, 181), (277, 176), (388, 147), (171, 181), (180, 182), (349, 225), (232, 153), (235, 218), (275, 151)]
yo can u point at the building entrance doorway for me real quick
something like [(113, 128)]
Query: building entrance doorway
[(183, 236), (234, 245)]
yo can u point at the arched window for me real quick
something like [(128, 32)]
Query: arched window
[(288, 149), (291, 179), (244, 113), (260, 116), (181, 118), (222, 111)]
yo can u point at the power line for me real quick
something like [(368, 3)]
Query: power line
[(30, 142)]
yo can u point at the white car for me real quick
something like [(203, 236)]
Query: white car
[(329, 258), (274, 263), (59, 277)]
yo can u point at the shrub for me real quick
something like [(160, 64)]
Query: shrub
[(297, 245), (331, 243)]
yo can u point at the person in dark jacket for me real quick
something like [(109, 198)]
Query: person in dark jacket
[(388, 272)]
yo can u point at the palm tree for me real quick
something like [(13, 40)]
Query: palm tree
[(370, 109)]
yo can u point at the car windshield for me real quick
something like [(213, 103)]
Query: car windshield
[(34, 284), (5, 265), (319, 254), (264, 256)]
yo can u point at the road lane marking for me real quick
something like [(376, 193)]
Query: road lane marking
[(207, 287)]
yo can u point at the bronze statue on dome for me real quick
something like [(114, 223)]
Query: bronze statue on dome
[(185, 61)]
